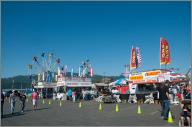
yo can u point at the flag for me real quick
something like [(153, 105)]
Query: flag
[(43, 77), (91, 72), (79, 71), (58, 60), (167, 54), (43, 54), (59, 71), (35, 58), (164, 52), (84, 72), (138, 52), (133, 59), (65, 70), (29, 66), (72, 72)]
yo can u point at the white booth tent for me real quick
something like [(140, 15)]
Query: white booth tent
[(78, 84), (46, 85), (101, 84), (112, 84)]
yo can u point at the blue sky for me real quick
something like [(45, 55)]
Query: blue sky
[(103, 32)]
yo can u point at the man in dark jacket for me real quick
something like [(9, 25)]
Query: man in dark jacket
[(164, 99)]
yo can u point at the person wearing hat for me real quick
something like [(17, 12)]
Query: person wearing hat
[(12, 100)]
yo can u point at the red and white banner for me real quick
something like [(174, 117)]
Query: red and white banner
[(164, 52), (133, 59), (91, 72)]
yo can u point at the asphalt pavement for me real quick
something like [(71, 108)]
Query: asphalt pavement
[(69, 114)]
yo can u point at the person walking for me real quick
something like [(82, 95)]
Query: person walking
[(34, 99), (2, 102), (83, 93), (164, 97), (12, 100), (22, 98), (74, 95), (69, 94), (174, 92)]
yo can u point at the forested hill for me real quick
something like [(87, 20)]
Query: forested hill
[(23, 81)]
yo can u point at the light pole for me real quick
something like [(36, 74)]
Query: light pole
[(126, 68)]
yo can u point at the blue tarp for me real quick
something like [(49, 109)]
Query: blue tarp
[(121, 81)]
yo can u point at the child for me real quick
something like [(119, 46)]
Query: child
[(186, 115)]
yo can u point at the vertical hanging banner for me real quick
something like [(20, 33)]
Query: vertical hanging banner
[(138, 52), (84, 72), (72, 72), (164, 52), (59, 71), (133, 59), (79, 71), (91, 72), (167, 54), (65, 70)]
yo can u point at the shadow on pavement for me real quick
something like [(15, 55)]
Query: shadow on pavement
[(19, 113), (29, 110), (12, 115)]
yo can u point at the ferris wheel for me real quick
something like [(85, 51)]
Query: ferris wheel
[(45, 65)]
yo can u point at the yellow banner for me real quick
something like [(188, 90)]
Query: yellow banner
[(136, 78), (152, 73)]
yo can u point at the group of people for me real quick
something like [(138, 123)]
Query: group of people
[(78, 94), (181, 93), (12, 100), (15, 97), (164, 91)]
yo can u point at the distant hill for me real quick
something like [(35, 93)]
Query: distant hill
[(17, 82), (25, 82)]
